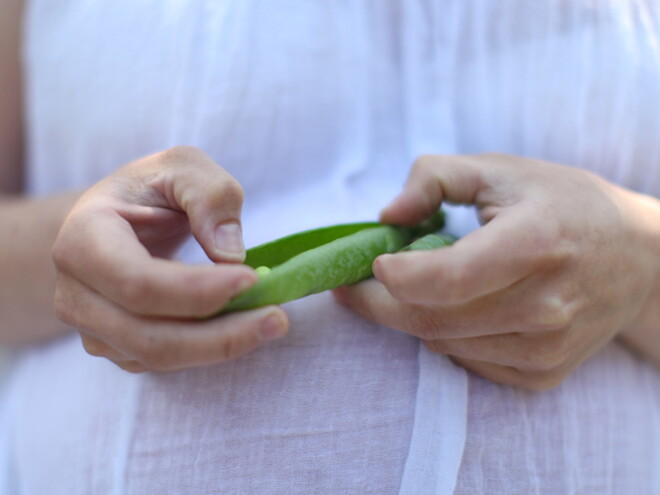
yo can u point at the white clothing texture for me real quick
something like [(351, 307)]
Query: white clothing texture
[(318, 109)]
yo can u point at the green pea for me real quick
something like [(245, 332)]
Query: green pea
[(262, 270), (322, 259)]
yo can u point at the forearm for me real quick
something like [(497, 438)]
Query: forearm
[(644, 334), (27, 278)]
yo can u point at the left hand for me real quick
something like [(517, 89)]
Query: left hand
[(560, 266), (119, 286)]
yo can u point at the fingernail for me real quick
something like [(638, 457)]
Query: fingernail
[(271, 328), (229, 239)]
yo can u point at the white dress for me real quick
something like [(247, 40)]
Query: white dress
[(318, 109)]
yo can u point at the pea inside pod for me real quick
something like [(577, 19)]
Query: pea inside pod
[(322, 259)]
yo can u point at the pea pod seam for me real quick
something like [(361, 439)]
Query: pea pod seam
[(298, 271)]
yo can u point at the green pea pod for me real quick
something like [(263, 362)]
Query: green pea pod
[(276, 252), (430, 241), (321, 259)]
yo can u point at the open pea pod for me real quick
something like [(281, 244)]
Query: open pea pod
[(322, 259)]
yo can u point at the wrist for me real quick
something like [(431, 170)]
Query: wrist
[(28, 228)]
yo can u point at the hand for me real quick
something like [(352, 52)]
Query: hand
[(558, 268), (131, 303)]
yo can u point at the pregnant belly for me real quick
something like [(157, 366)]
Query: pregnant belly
[(327, 409)]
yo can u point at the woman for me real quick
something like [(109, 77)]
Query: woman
[(314, 113)]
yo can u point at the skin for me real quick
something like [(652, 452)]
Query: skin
[(132, 305), (27, 228), (564, 263), (328, 263), (117, 283)]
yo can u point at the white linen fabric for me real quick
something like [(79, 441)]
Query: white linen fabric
[(318, 109)]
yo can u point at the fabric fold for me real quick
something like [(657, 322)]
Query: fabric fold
[(439, 430)]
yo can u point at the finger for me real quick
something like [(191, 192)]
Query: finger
[(547, 352), (212, 198), (492, 258), (371, 300), (534, 361), (94, 346), (116, 265), (507, 375), (521, 309), (168, 344), (432, 180), (130, 366)]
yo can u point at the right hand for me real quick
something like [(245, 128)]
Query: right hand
[(118, 287)]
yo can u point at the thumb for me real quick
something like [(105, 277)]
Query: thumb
[(213, 200), (432, 180)]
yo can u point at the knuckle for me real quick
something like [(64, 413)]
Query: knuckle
[(438, 346), (426, 323), (424, 164), (230, 190), (93, 346), (555, 313), (182, 153)]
